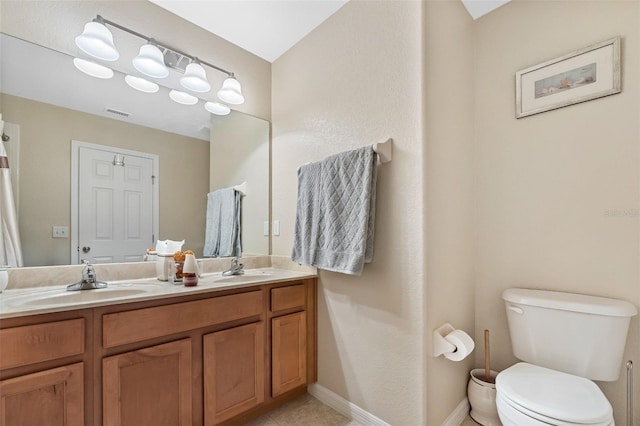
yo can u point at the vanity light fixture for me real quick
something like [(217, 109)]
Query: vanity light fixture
[(96, 40), (182, 97), (141, 84), (231, 91), (93, 69), (150, 61), (154, 60), (217, 108), (195, 78)]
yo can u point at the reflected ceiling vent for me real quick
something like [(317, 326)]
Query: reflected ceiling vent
[(117, 112)]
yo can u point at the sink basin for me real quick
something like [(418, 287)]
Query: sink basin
[(62, 296)]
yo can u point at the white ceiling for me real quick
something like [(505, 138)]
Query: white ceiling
[(478, 8), (268, 28)]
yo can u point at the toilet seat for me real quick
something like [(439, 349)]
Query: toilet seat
[(512, 414), (553, 397)]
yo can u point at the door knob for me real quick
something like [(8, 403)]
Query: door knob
[(86, 249)]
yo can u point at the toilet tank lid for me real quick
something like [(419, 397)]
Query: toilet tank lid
[(570, 302)]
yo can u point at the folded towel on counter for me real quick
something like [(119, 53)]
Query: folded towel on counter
[(223, 234), (335, 216)]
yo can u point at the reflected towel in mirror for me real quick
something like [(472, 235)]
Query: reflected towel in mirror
[(223, 228)]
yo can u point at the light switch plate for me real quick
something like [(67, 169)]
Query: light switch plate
[(60, 232), (276, 227)]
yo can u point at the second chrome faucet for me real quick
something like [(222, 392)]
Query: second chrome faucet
[(236, 268)]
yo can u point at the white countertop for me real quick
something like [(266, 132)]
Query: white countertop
[(39, 300)]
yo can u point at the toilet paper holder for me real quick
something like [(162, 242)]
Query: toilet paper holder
[(440, 345)]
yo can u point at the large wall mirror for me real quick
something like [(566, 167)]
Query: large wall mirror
[(47, 108)]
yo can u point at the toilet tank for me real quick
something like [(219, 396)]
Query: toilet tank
[(578, 334)]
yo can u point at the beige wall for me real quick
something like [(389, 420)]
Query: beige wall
[(240, 153), (46, 132), (56, 23), (547, 186), (448, 177), (354, 81)]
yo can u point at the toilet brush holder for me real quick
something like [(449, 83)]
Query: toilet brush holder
[(482, 397)]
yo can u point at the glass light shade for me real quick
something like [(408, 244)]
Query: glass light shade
[(96, 40), (141, 84), (231, 92), (195, 78), (217, 108), (93, 69), (150, 62), (183, 98)]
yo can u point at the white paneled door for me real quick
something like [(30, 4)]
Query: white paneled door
[(115, 204)]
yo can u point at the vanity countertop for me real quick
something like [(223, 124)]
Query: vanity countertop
[(40, 300)]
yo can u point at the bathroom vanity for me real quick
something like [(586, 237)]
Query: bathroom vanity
[(220, 353)]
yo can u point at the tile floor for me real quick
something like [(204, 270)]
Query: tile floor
[(469, 422), (303, 411), (308, 411)]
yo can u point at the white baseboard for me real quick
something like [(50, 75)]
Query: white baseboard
[(458, 415), (345, 407)]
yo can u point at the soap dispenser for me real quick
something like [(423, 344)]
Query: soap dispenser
[(190, 271)]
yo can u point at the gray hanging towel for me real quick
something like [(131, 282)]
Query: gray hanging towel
[(223, 226), (335, 216)]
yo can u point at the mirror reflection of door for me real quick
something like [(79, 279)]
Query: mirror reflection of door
[(115, 194)]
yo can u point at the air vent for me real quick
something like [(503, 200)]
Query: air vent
[(116, 112)]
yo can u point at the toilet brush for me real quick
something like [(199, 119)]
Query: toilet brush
[(487, 370)]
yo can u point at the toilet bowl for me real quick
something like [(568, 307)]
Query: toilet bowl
[(530, 395)]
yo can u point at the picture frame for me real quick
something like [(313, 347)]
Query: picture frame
[(580, 76)]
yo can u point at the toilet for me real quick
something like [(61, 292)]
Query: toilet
[(565, 341)]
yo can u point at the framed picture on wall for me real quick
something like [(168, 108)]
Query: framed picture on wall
[(583, 75)]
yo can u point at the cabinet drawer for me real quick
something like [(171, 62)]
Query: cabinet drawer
[(289, 297), (41, 342), (142, 324)]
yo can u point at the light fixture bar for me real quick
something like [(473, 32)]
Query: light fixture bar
[(101, 20)]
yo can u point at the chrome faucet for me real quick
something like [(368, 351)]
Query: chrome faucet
[(89, 281), (237, 268)]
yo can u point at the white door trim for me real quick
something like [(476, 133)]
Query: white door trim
[(75, 149)]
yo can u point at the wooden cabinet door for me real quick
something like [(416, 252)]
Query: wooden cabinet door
[(150, 386), (233, 372), (51, 397), (288, 352)]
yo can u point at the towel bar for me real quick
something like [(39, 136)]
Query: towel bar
[(384, 150), (242, 188)]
